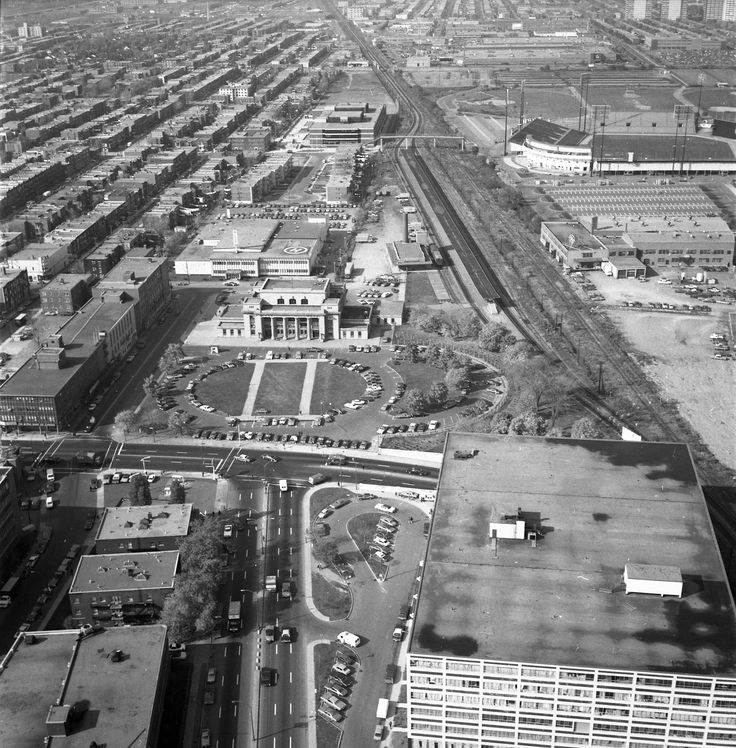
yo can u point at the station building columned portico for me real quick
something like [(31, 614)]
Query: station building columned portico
[(296, 309)]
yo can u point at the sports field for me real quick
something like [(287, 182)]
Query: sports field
[(334, 386)]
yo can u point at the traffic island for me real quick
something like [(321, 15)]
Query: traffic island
[(362, 529), (331, 599)]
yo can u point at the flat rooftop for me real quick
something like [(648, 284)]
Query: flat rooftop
[(153, 521), (80, 335), (582, 238), (132, 270), (125, 571), (600, 505), (121, 695)]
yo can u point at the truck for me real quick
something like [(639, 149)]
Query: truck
[(336, 460), (271, 583), (316, 479), (382, 709), (398, 632), (233, 615), (8, 591)]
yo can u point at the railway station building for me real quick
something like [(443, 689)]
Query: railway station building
[(572, 595)]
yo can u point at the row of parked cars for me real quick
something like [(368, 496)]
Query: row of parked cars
[(340, 680), (410, 428), (382, 545)]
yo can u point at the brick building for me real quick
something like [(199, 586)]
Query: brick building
[(157, 527), (66, 293)]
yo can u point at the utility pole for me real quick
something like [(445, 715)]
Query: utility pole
[(506, 124)]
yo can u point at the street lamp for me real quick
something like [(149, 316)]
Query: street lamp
[(143, 460)]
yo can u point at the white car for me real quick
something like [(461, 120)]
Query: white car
[(381, 541), (385, 508), (243, 457), (433, 425), (351, 640), (381, 555)]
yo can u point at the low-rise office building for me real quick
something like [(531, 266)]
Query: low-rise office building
[(572, 594), (41, 261), (64, 690), (345, 124), (238, 248), (116, 589), (156, 527)]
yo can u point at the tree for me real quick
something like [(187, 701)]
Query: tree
[(462, 324), (324, 551), (494, 337), (457, 378), (177, 493), (528, 423), (558, 395), (585, 428), (519, 351), (532, 378), (139, 492), (124, 421), (415, 401), (177, 421), (150, 385), (428, 320), (438, 394), (510, 198), (171, 357)]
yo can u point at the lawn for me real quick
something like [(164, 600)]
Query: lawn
[(280, 390), (361, 529), (334, 386), (320, 499), (330, 599), (419, 290), (659, 99), (328, 735), (226, 390), (420, 376)]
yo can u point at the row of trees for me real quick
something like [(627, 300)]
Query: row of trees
[(127, 420), (530, 423), (191, 609)]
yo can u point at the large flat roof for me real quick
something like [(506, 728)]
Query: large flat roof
[(153, 521), (110, 572), (600, 505), (121, 695)]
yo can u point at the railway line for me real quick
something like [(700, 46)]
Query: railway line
[(663, 426)]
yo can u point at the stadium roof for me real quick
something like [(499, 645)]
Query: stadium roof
[(599, 505), (548, 132)]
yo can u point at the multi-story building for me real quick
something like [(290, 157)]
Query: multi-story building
[(144, 280), (344, 124), (262, 178), (572, 595), (639, 9), (66, 293), (573, 245), (15, 290), (62, 689), (40, 260), (10, 520), (156, 527), (46, 392), (116, 589)]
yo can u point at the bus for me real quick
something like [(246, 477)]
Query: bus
[(233, 616), (21, 320)]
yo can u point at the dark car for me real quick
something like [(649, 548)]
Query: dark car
[(268, 676), (417, 471)]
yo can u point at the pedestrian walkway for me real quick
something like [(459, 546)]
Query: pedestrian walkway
[(255, 383), (307, 387)]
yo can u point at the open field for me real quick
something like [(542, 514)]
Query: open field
[(660, 147), (280, 389), (334, 386), (721, 97), (226, 390), (420, 376), (676, 353), (659, 99)]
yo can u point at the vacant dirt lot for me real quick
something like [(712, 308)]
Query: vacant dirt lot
[(677, 355)]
